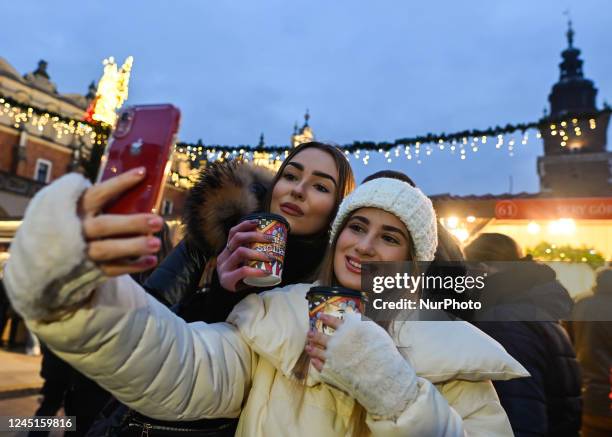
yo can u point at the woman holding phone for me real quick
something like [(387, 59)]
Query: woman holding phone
[(202, 278), (364, 381)]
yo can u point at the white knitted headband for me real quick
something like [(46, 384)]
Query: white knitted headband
[(401, 199)]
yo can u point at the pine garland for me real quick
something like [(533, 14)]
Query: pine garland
[(551, 252)]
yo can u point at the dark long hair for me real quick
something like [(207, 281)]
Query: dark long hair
[(346, 179)]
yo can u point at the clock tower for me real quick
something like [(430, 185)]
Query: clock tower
[(575, 161)]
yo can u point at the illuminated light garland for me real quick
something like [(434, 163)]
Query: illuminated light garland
[(20, 114), (483, 136), (272, 156)]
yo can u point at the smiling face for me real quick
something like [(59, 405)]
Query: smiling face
[(370, 234), (305, 194)]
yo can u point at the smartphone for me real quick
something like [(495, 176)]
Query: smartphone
[(144, 137)]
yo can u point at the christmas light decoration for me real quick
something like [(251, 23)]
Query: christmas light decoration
[(20, 115), (474, 136), (198, 154), (463, 142), (112, 91), (551, 252)]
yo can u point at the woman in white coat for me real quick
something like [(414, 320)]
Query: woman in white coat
[(418, 381)]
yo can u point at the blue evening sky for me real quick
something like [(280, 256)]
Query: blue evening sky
[(366, 70)]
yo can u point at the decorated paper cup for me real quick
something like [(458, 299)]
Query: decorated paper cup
[(335, 301), (276, 226)]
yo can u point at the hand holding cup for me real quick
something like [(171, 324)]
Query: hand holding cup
[(232, 262), (254, 253)]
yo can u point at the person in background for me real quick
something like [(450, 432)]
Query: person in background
[(56, 375), (548, 403), (591, 331), (9, 317)]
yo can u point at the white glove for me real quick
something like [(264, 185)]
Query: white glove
[(362, 360)]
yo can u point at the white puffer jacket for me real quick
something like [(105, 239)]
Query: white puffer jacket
[(115, 333)]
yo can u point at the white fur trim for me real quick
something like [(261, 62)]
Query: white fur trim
[(406, 202), (362, 360), (47, 270)]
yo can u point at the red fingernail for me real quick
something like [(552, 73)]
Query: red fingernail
[(153, 243)]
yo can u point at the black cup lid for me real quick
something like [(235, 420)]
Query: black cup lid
[(266, 215), (336, 291)]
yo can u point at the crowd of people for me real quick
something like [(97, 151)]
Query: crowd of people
[(166, 342)]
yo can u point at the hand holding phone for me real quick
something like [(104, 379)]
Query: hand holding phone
[(124, 243)]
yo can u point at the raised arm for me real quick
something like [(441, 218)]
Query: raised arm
[(59, 278)]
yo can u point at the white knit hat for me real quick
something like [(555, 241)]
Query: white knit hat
[(401, 199)]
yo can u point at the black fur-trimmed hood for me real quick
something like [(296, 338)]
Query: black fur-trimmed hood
[(225, 192)]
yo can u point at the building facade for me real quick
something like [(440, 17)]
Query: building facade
[(37, 147)]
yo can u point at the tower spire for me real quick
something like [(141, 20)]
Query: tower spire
[(570, 34), (303, 135), (573, 93)]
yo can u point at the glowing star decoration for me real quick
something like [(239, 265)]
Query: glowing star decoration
[(112, 91)]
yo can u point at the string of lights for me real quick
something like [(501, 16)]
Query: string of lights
[(506, 138), (461, 144), (20, 115)]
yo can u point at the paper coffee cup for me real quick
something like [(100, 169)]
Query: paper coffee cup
[(335, 301), (276, 226)]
